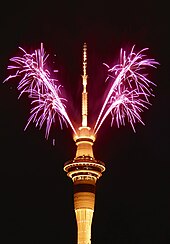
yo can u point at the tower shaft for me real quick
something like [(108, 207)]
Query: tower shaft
[(84, 201), (84, 220)]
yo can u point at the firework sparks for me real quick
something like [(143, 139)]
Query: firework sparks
[(130, 89), (127, 97), (41, 88)]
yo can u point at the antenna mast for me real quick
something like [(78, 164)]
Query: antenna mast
[(84, 93)]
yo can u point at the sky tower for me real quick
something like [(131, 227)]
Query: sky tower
[(84, 169)]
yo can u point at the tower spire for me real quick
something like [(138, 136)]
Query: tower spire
[(84, 93)]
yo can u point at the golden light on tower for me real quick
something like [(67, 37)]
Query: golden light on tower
[(84, 94), (127, 96), (84, 169)]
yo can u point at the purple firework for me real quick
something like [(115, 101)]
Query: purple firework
[(128, 95), (130, 89), (41, 88)]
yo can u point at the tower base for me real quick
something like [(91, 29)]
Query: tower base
[(84, 220)]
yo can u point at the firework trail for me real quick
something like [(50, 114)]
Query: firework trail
[(41, 88), (130, 89), (127, 97)]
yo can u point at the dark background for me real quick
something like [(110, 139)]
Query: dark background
[(133, 196)]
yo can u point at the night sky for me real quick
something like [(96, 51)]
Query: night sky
[(133, 195)]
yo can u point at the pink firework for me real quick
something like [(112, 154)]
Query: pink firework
[(130, 89), (128, 96), (36, 81)]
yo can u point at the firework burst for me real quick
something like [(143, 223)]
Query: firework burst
[(128, 95), (130, 89), (44, 91)]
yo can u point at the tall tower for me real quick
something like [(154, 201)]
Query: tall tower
[(84, 169)]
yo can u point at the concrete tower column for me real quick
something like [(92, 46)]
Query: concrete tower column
[(84, 170)]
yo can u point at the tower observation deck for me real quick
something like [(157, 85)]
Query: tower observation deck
[(84, 169)]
